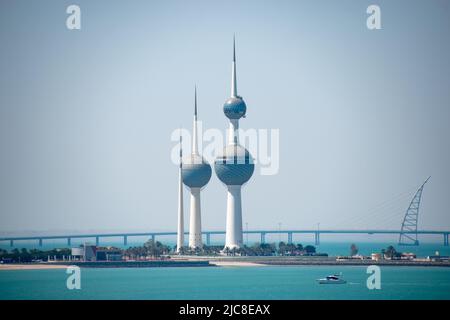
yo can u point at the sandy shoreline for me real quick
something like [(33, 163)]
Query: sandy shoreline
[(30, 266), (49, 266)]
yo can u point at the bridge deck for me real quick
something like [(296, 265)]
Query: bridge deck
[(172, 233)]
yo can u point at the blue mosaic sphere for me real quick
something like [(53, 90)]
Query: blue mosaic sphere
[(234, 166), (196, 172), (234, 108)]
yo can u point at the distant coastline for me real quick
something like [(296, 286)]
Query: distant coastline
[(318, 261), (225, 262)]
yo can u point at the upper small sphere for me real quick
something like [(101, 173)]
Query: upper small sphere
[(234, 108), (235, 166), (196, 172)]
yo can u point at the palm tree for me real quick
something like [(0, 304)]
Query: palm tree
[(282, 248), (391, 252), (290, 248), (310, 249)]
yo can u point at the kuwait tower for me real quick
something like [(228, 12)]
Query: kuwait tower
[(234, 167), (196, 173)]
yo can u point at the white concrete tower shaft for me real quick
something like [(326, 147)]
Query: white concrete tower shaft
[(195, 221), (233, 132), (233, 236), (180, 230)]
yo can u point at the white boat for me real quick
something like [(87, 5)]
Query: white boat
[(333, 279)]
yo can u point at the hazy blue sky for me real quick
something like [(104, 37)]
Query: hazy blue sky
[(86, 116)]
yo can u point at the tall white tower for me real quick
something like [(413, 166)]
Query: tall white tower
[(235, 166), (196, 174), (180, 233)]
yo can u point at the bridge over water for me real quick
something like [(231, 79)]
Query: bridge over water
[(262, 234), (408, 234)]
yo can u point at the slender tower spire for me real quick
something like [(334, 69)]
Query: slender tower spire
[(233, 71), (194, 129), (233, 135), (180, 234), (195, 103)]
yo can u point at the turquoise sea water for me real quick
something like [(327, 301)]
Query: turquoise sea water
[(274, 282)]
